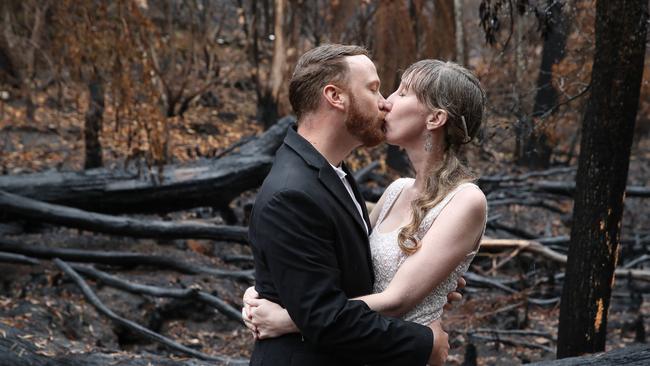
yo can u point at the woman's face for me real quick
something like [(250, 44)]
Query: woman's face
[(406, 121)]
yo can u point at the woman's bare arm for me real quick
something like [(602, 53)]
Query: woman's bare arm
[(451, 237)]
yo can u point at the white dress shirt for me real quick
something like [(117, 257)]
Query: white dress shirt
[(347, 185)]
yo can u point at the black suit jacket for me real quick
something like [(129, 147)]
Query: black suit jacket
[(311, 255)]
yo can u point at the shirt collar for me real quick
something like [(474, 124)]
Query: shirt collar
[(339, 171)]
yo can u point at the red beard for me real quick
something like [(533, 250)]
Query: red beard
[(367, 128)]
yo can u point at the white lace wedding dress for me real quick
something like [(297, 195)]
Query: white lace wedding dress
[(387, 256)]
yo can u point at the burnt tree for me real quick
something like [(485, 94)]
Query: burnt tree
[(93, 121), (536, 150), (607, 131)]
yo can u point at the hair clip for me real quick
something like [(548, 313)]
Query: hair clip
[(464, 127)]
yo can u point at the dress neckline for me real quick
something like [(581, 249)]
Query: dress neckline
[(386, 209)]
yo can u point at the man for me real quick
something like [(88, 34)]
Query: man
[(309, 226)]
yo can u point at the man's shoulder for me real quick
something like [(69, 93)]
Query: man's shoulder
[(290, 173)]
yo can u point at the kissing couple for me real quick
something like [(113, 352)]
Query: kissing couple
[(335, 285)]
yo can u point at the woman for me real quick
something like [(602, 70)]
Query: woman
[(428, 229)]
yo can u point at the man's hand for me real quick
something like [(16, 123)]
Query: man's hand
[(440, 344), (455, 295)]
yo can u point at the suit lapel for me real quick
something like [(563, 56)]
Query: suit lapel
[(327, 176), (333, 183)]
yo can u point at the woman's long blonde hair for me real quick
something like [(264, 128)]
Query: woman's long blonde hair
[(456, 90)]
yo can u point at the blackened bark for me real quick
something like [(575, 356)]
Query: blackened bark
[(607, 132), (8, 71), (536, 148), (267, 109), (93, 123), (553, 51)]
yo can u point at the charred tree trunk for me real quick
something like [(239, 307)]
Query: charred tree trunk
[(461, 56), (268, 103), (8, 72), (93, 122), (267, 108), (395, 43), (536, 148), (607, 132), (443, 22)]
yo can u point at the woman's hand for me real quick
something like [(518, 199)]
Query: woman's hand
[(249, 294), (264, 318), (455, 295)]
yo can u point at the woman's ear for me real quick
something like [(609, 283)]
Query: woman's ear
[(334, 96), (436, 119)]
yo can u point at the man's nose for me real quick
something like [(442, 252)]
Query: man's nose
[(385, 105)]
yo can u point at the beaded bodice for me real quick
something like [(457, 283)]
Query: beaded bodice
[(387, 257)]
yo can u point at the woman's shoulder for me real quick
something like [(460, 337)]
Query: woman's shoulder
[(470, 197), (401, 182)]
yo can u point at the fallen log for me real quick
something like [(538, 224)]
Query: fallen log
[(512, 342), (122, 259), (76, 218), (517, 332), (498, 178), (176, 187), (147, 333), (567, 189), (500, 181), (637, 355)]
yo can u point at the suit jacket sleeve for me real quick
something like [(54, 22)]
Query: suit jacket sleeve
[(295, 238)]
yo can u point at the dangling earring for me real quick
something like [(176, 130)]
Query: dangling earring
[(428, 142)]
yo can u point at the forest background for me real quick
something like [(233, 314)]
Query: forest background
[(127, 127)]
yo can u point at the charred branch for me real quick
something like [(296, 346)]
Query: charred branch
[(147, 333), (76, 218), (120, 259), (189, 293)]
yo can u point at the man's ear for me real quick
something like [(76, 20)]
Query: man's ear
[(335, 96), (436, 119)]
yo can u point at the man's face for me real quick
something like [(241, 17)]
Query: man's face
[(367, 108)]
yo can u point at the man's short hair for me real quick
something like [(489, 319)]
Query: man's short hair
[(316, 68)]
